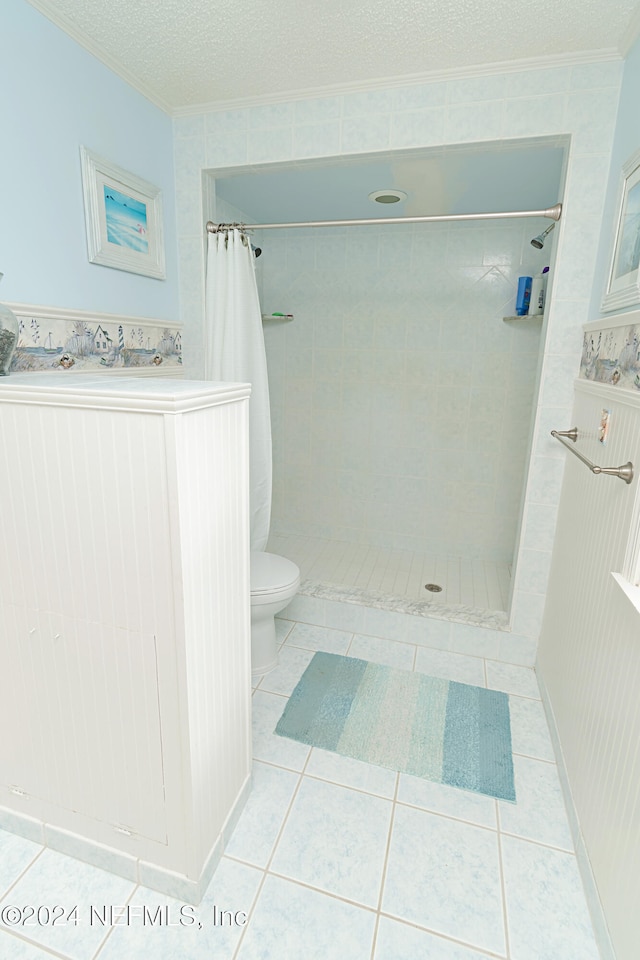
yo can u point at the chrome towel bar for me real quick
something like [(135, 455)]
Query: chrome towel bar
[(625, 472)]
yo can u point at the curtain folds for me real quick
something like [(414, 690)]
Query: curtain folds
[(235, 351)]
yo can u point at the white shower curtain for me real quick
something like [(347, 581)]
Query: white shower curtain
[(234, 351)]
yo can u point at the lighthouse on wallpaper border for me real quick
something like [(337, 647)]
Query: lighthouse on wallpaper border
[(46, 344)]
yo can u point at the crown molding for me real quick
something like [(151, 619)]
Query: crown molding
[(455, 73), (48, 10)]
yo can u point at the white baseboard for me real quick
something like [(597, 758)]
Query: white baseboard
[(121, 864)]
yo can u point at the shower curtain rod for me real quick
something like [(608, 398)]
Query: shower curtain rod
[(551, 213)]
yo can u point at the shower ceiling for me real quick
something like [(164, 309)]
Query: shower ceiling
[(471, 179)]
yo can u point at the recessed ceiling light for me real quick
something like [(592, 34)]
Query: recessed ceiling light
[(387, 196)]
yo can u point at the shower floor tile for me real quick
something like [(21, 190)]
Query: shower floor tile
[(482, 584)]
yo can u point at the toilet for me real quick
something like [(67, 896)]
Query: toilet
[(274, 583)]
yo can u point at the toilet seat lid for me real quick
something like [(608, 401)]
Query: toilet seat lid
[(270, 572)]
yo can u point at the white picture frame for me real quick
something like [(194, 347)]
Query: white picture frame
[(123, 217), (623, 283)]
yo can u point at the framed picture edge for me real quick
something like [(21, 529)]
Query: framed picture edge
[(627, 294), (151, 264)]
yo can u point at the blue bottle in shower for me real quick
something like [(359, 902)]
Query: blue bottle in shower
[(523, 296)]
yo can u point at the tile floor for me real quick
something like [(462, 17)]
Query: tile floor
[(399, 573), (334, 859)]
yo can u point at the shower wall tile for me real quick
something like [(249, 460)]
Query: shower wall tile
[(535, 116), (224, 122), (318, 110), (572, 280), (467, 122), (270, 145), (527, 617), (587, 175), (190, 259), (415, 128), (299, 362), (370, 132), (188, 126), (549, 80), (593, 117), (476, 88), (539, 526), (545, 480), (189, 159), (559, 374), (462, 247), (494, 243), (226, 149), (408, 419), (595, 75), (271, 115), (367, 103), (327, 332), (327, 366), (330, 251), (317, 139), (418, 96), (533, 570), (551, 418)]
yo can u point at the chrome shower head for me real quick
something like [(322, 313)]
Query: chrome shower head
[(538, 242)]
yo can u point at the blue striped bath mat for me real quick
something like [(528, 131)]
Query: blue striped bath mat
[(440, 730)]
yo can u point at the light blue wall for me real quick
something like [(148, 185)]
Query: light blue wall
[(56, 96), (626, 141)]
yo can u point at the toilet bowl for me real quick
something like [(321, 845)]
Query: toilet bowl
[(274, 582)]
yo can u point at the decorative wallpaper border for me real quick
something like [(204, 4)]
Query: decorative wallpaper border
[(611, 351), (51, 338)]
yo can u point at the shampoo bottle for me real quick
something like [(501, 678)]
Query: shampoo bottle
[(538, 290), (523, 296)]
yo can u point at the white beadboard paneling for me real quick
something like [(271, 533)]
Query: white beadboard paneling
[(82, 534), (59, 675), (589, 655), (124, 615), (213, 493)]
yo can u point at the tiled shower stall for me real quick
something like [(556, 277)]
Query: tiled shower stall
[(401, 400), (578, 102)]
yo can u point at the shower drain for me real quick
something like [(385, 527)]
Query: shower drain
[(433, 587)]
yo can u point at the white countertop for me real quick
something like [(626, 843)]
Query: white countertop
[(151, 394)]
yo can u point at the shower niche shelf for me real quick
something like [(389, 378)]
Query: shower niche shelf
[(281, 317), (526, 318)]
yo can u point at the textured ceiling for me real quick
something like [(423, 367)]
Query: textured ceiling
[(184, 52)]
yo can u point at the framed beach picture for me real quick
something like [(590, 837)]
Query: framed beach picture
[(123, 216), (623, 286)]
